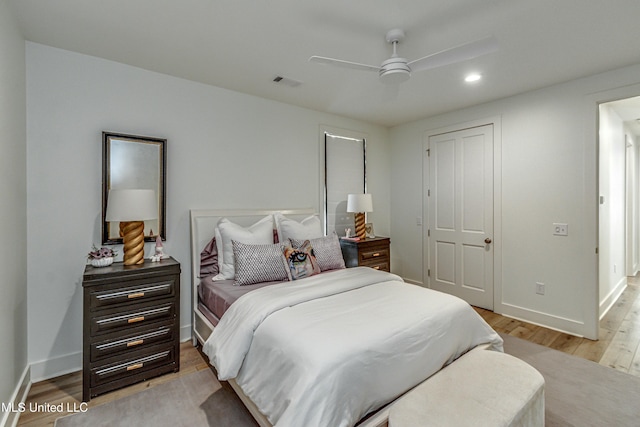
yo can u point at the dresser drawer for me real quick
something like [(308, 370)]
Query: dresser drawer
[(132, 342), (132, 366), (130, 294), (138, 316)]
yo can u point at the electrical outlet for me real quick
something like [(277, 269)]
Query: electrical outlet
[(539, 288), (560, 229)]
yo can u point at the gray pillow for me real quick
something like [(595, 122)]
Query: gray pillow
[(258, 263)]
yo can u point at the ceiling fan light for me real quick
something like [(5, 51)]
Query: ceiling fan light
[(394, 76), (395, 70)]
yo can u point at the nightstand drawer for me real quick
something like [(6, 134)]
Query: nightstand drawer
[(133, 366), (131, 342), (130, 294), (380, 265), (134, 317), (373, 254)]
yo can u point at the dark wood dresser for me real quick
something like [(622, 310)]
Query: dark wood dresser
[(373, 252), (131, 324)]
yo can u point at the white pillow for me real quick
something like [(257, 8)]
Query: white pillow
[(307, 229), (260, 233)]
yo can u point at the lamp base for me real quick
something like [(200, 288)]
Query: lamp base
[(133, 236), (359, 225)]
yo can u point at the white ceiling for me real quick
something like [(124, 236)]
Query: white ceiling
[(242, 45)]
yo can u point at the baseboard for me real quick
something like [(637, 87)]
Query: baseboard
[(610, 300), (55, 367), (10, 418), (185, 333), (557, 323)]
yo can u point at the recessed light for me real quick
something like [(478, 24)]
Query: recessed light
[(472, 78)]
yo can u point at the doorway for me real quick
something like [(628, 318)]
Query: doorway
[(618, 187)]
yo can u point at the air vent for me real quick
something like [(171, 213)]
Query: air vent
[(286, 81)]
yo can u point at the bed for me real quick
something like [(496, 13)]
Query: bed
[(330, 349)]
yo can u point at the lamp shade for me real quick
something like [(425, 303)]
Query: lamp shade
[(359, 203), (131, 205)]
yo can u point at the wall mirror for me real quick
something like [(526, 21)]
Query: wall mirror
[(134, 162)]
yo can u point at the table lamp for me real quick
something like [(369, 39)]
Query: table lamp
[(131, 208), (359, 204)]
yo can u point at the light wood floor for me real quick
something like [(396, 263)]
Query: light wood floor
[(617, 348)]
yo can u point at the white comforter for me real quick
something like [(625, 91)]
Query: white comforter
[(328, 349)]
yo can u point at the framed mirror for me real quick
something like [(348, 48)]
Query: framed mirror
[(134, 162)]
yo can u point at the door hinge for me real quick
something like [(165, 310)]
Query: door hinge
[(428, 193), (428, 152), (428, 233), (429, 273)]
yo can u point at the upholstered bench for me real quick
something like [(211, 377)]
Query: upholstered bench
[(481, 388)]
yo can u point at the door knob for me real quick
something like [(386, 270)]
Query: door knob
[(487, 240)]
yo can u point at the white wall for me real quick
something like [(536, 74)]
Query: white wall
[(612, 209), (548, 175), (225, 150), (13, 208)]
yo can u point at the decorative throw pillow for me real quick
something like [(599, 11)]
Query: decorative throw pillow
[(301, 260), (308, 228), (260, 233), (258, 263), (209, 259), (327, 251)]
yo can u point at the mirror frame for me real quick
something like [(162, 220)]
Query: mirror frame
[(106, 182)]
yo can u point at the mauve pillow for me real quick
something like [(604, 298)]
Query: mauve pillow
[(209, 259), (327, 251)]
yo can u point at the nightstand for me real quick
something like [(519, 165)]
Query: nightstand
[(373, 252), (131, 324)]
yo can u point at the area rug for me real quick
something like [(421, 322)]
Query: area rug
[(579, 392), (196, 399)]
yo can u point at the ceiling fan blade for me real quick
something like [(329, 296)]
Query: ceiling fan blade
[(455, 54), (345, 64)]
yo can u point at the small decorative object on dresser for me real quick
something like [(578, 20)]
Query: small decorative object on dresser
[(159, 250), (102, 257), (368, 229), (372, 253), (131, 324)]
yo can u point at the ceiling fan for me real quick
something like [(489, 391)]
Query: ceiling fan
[(397, 69)]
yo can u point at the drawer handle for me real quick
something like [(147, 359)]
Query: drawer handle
[(376, 254), (136, 295), (136, 319), (134, 343), (377, 267), (134, 367)]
